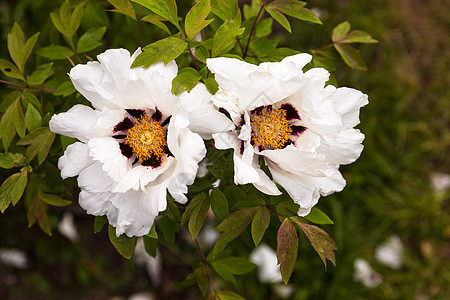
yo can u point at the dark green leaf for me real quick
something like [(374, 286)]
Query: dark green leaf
[(65, 89), (165, 8), (320, 240), (10, 70), (19, 50), (281, 53), (67, 21), (225, 36), (156, 20), (319, 217), (33, 118), (38, 211), (302, 14), (12, 121), (228, 295), (264, 28), (358, 36), (259, 224), (186, 80), (12, 160), (229, 266), (12, 189), (224, 9), (28, 98), (55, 52), (201, 277), (219, 204), (279, 17), (124, 7), (168, 228), (166, 49), (99, 222), (40, 75), (263, 47), (8, 100), (90, 40), (198, 215), (39, 140), (150, 245), (195, 19), (172, 211), (123, 244), (287, 247), (351, 56), (340, 31), (54, 200)]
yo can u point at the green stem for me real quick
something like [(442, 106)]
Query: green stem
[(253, 28)]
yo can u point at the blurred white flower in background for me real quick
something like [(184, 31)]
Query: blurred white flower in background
[(151, 264), (266, 260), (67, 227), (365, 274), (440, 182), (14, 258), (390, 253)]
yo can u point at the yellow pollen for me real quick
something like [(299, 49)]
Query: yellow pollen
[(147, 138), (270, 128)]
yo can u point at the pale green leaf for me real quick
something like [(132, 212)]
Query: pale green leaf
[(195, 19), (319, 217), (224, 9), (12, 160), (90, 40), (18, 48), (340, 31), (279, 17), (259, 224), (156, 20), (186, 80), (166, 49), (40, 75), (10, 70), (33, 118), (124, 7), (55, 52), (12, 189), (165, 8), (225, 36), (358, 36), (65, 89)]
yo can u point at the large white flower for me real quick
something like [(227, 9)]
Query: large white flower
[(138, 142), (301, 128)]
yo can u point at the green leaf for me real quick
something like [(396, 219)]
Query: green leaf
[(224, 9), (40, 141), (264, 47), (219, 204), (168, 228), (28, 98), (12, 121), (186, 80), (196, 213), (33, 118), (166, 49), (287, 247), (99, 222), (303, 14), (172, 211), (156, 20), (225, 36), (165, 8), (201, 277), (67, 21), (340, 31), (55, 52), (10, 70), (90, 40), (124, 7), (19, 50), (150, 245), (38, 211), (264, 28), (229, 266), (279, 17), (40, 75), (228, 295), (12, 189), (12, 160), (233, 226), (259, 224), (351, 56), (320, 240), (123, 244), (319, 217), (54, 200), (65, 89), (196, 18), (358, 36), (211, 84)]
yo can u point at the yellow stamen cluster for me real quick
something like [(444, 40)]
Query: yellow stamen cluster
[(147, 138), (270, 128)]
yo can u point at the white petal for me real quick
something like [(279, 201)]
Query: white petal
[(106, 150), (347, 102), (76, 122), (106, 121), (345, 148), (116, 64), (94, 179), (264, 184), (75, 159), (95, 203)]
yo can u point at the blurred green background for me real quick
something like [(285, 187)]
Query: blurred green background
[(389, 189)]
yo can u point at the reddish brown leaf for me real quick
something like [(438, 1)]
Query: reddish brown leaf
[(287, 247)]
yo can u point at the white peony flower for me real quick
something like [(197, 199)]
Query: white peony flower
[(301, 129), (139, 140)]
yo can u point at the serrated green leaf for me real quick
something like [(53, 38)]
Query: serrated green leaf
[(219, 204), (165, 8), (320, 240), (233, 226), (54, 200), (124, 7), (10, 70), (12, 160), (12, 189), (224, 9), (123, 244), (90, 40), (39, 140), (225, 36), (19, 50), (358, 36), (186, 80), (55, 52), (166, 49), (340, 31), (196, 18), (157, 21), (99, 222), (38, 211), (150, 245), (319, 217), (279, 17), (287, 248), (259, 224), (65, 89), (33, 118), (40, 75), (351, 56)]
